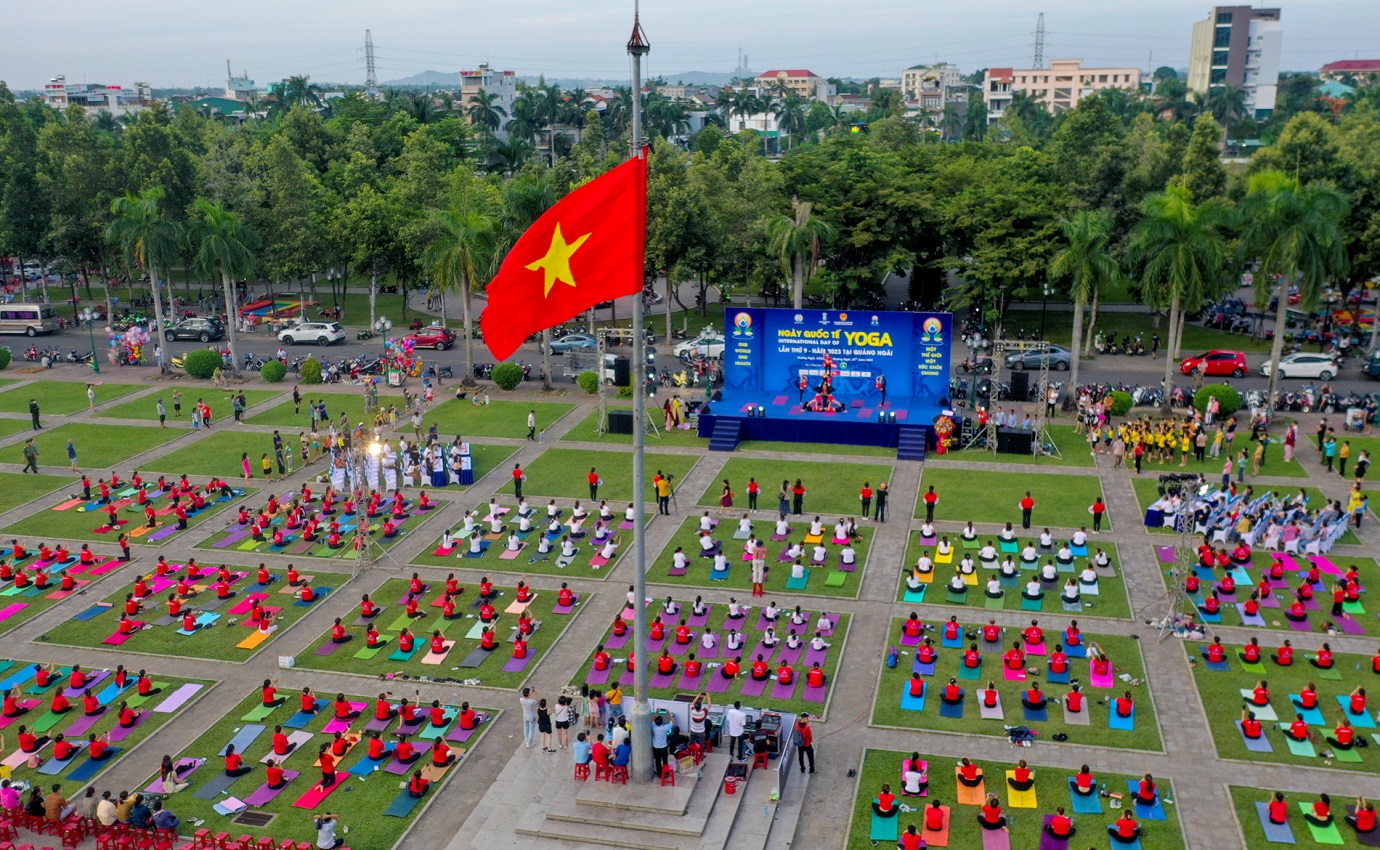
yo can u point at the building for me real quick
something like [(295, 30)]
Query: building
[(1238, 46), (1352, 71), (96, 98), (1059, 87), (501, 83), (799, 82), (920, 79)]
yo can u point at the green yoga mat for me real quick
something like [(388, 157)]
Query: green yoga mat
[(955, 598), (966, 672), (399, 655), (794, 583), (49, 720), (136, 700), (1302, 749), (1350, 756), (993, 604), (1251, 667), (259, 712), (1329, 673), (970, 544), (1322, 834), (401, 623), (1032, 604), (370, 651), (836, 578), (886, 829), (1353, 608)]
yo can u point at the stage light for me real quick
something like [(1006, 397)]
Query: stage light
[(891, 416), (881, 416)]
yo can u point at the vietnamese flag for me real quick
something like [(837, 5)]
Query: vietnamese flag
[(588, 248)]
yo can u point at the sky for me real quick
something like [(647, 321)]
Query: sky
[(174, 43)]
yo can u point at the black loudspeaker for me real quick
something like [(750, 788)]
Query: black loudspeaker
[(620, 422), (622, 372), (1015, 441), (1020, 386)]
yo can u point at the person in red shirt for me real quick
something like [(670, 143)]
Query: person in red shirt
[(952, 694), (144, 685), (1261, 694), (326, 762), (13, 708), (269, 692), (916, 686), (1324, 659), (1073, 700), (487, 613), (404, 751), (59, 704), (1308, 697), (1027, 508), (273, 774), (307, 701), (448, 608), (991, 818), (1278, 809), (991, 632), (1250, 653), (1250, 726), (1358, 701), (90, 705), (281, 745), (1124, 706), (343, 709), (785, 674), (731, 668), (1060, 826), (815, 678), (520, 649), (234, 763), (1343, 737), (406, 641), (339, 634), (377, 748), (1363, 820), (1125, 830), (1034, 635), (1298, 730), (1034, 698), (98, 748), (306, 594), (62, 748), (441, 754), (760, 669), (1321, 813), (885, 804), (1014, 657), (438, 643), (692, 667), (488, 642)]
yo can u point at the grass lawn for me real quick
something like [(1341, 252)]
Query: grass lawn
[(1211, 467), (1220, 692), (59, 398), (300, 548), (99, 447), (109, 721), (717, 617), (564, 474), (218, 453), (393, 594), (147, 407), (24, 488), (588, 431), (740, 572), (14, 426), (1147, 493), (1073, 449), (362, 800), (36, 602), (1124, 652), (835, 494), (1051, 789), (1244, 799), (217, 641), (1110, 600), (350, 403), (83, 525), (1061, 501), (495, 419), (815, 449)]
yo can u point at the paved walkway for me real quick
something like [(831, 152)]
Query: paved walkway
[(1189, 760)]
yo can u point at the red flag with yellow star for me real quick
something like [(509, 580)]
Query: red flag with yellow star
[(588, 248)]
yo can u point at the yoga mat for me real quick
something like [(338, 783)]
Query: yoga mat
[(177, 699), (517, 665), (82, 725), (993, 713), (243, 738), (975, 796), (1106, 680), (1144, 812), (119, 733), (1360, 721), (437, 658), (91, 613), (911, 703), (1278, 833), (400, 769), (885, 829), (184, 769), (966, 672), (340, 725), (1321, 834), (938, 837), (995, 839), (313, 798), (948, 710), (1084, 804), (51, 719), (1369, 839), (463, 736), (52, 767), (1125, 724), (1311, 716), (265, 795), (296, 738), (1215, 666), (1254, 667), (90, 768), (1019, 799), (1076, 718), (1302, 749), (1033, 715), (432, 732)]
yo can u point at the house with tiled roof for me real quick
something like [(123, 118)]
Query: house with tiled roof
[(798, 81)]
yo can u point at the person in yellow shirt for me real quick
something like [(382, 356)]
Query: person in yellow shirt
[(614, 697)]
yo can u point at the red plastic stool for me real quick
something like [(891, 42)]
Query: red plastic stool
[(265, 843), (697, 753), (582, 772), (288, 844), (760, 760), (7, 831), (603, 771), (668, 775), (202, 838), (619, 774)]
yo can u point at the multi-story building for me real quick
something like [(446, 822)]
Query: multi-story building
[(95, 98), (919, 79), (1238, 46), (501, 83), (1059, 87), (800, 82), (1362, 71)]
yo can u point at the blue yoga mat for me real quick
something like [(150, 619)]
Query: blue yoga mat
[(1278, 833), (947, 710), (1144, 812), (1035, 715), (25, 674), (912, 703), (243, 738), (111, 691), (92, 613), (1125, 724), (402, 805), (302, 718), (366, 765), (1311, 716), (89, 768), (1215, 666), (1089, 805)]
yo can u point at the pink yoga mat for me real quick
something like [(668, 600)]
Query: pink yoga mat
[(1105, 681), (313, 798), (118, 639)]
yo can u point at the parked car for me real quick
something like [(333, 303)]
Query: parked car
[(321, 333), (1219, 362), (569, 341), (709, 346), (204, 329), (436, 338), (1304, 365), (1059, 359)]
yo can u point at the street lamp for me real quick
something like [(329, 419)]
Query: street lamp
[(88, 316), (1047, 291)]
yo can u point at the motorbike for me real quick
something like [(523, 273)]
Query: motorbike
[(364, 334), (32, 354), (74, 357), (253, 361), (681, 378), (329, 312)]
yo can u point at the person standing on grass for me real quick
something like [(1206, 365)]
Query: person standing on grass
[(518, 477), (531, 425), (865, 496), (177, 404), (1027, 508), (162, 414), (594, 482), (91, 397), (72, 456), (33, 414), (30, 456)]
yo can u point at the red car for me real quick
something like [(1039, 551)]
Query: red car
[(1218, 363), (437, 338)]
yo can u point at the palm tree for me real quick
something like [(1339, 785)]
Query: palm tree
[(1026, 108), (524, 121), (1085, 260), (484, 113), (743, 105), (790, 116), (838, 114), (225, 246), (506, 156), (462, 256), (300, 89), (792, 238), (1294, 233), (1227, 104), (1185, 256), (147, 239), (951, 123)]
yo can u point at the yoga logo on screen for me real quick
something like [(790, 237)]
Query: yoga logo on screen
[(932, 331), (799, 317), (742, 325)]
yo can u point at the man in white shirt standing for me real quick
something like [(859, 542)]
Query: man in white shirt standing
[(531, 425), (528, 701), (736, 721)]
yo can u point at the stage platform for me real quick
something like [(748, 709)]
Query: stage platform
[(787, 422)]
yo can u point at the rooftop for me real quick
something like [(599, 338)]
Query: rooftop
[(1353, 66), (779, 73)]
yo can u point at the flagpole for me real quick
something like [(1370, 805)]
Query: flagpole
[(638, 46)]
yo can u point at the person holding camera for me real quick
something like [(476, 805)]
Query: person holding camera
[(325, 826), (662, 483)]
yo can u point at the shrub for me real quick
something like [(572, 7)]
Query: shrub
[(201, 363), (589, 382), (1228, 399), (5, 357), (1121, 403), (625, 392), (273, 371), (507, 375), (311, 371)]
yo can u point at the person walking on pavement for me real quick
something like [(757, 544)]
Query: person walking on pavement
[(882, 493), (72, 456), (1027, 508), (531, 425), (33, 414), (528, 701), (803, 739), (91, 397), (30, 456)]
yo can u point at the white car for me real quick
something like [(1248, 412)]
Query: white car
[(1302, 365), (706, 345), (321, 333)]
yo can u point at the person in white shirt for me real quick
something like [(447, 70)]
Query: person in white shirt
[(924, 564), (475, 544), (1029, 555), (707, 543), (551, 509), (720, 563), (793, 640), (994, 590), (944, 547), (969, 533), (447, 539), (679, 559), (1008, 567), (523, 508), (988, 554), (514, 543), (735, 640), (745, 525), (1049, 572), (554, 526), (782, 527), (771, 612), (699, 609), (1080, 537), (609, 548), (926, 530), (706, 522), (840, 530), (525, 523), (1064, 555), (816, 527), (750, 545), (817, 642), (821, 554), (493, 508), (770, 638), (628, 513), (735, 611), (1071, 592), (709, 640), (795, 550), (1008, 533), (576, 526), (601, 531), (670, 607), (824, 624), (604, 512), (1088, 576), (468, 527), (913, 582), (619, 735), (567, 548), (913, 781), (798, 617), (496, 525), (797, 569), (1046, 539), (956, 584), (966, 565), (1101, 559), (1033, 590), (544, 544), (735, 720), (579, 512), (848, 556)]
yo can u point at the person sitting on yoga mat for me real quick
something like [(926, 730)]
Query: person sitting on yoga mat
[(1008, 567), (1071, 594), (657, 629), (1321, 813), (991, 818), (1125, 830), (1049, 572), (966, 565), (1250, 726), (1033, 590), (1308, 697), (1343, 737), (1058, 659), (994, 590), (1261, 695), (793, 640), (281, 745), (1298, 730), (1147, 792), (1088, 575), (1324, 660), (972, 659), (1211, 605), (1363, 820), (520, 649), (273, 774), (709, 640), (1358, 701), (885, 804), (916, 686), (1060, 826), (1278, 809), (371, 637), (925, 653), (1227, 585), (952, 694), (944, 547), (1034, 698), (785, 674), (760, 669), (734, 641), (1101, 665), (1033, 634), (270, 694), (404, 751), (731, 667), (343, 709), (913, 626), (1014, 658), (769, 639), (234, 763), (339, 634), (1084, 785), (438, 642), (1124, 706), (969, 774), (957, 585), (914, 779), (448, 607), (666, 665), (1192, 583), (1029, 555), (989, 695), (487, 614), (1073, 700), (1064, 555)]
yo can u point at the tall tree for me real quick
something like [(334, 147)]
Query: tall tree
[(1293, 233), (1183, 255), (462, 258), (1202, 173), (23, 207), (1084, 260), (148, 240), (225, 247), (797, 240), (485, 113)]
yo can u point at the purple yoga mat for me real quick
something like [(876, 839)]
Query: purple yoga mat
[(1165, 553), (184, 769), (783, 558), (763, 650), (661, 680), (678, 571), (617, 641), (1348, 624), (680, 648), (119, 733), (712, 652), (232, 538), (816, 694), (377, 725), (178, 698), (328, 648), (780, 691), (83, 724), (690, 684), (165, 532), (1304, 626), (716, 683), (463, 736), (517, 665), (816, 655), (409, 728), (655, 645), (788, 655), (996, 839), (265, 795), (421, 748), (1049, 842), (752, 687), (91, 682), (698, 620), (598, 677)]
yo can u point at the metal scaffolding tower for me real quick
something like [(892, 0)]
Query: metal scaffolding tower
[(371, 76)]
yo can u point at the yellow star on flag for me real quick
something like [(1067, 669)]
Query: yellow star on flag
[(556, 263)]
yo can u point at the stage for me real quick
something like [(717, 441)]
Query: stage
[(785, 421)]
